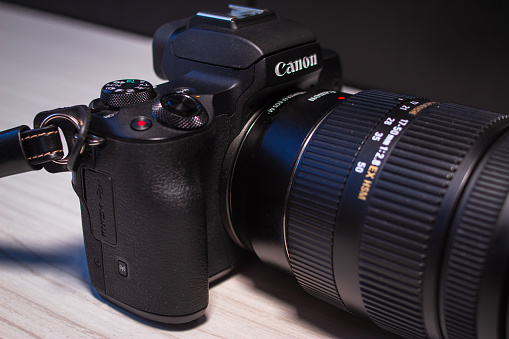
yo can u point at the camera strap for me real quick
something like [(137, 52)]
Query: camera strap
[(23, 149), (42, 145)]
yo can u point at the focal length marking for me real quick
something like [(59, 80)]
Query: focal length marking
[(375, 151), (284, 68), (376, 162)]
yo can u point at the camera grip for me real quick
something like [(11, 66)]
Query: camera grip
[(144, 225)]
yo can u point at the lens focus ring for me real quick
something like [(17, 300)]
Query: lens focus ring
[(408, 215), (390, 254), (317, 188), (472, 244)]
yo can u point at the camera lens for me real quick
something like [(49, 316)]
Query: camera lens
[(385, 205)]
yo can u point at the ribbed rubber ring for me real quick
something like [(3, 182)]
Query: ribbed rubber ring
[(317, 187), (472, 242), (401, 224)]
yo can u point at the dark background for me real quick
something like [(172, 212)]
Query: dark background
[(446, 50)]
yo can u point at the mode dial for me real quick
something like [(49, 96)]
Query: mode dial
[(180, 111), (120, 93)]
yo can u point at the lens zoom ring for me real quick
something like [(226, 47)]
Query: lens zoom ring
[(472, 243), (318, 185), (403, 208)]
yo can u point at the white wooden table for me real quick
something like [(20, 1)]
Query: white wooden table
[(48, 62)]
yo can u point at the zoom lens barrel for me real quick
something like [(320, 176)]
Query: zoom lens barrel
[(385, 205)]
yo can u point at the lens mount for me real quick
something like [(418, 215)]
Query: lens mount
[(263, 165)]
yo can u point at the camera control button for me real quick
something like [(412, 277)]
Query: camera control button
[(180, 111), (122, 268), (141, 123), (184, 90), (120, 93)]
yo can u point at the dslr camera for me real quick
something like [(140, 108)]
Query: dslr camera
[(390, 206)]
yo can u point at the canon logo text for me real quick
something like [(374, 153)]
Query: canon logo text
[(283, 68)]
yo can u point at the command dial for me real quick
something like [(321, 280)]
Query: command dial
[(180, 111), (120, 93)]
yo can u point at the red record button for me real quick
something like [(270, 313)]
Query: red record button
[(141, 123)]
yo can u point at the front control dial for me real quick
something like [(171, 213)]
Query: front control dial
[(180, 111), (120, 93)]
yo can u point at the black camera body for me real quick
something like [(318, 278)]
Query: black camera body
[(149, 178), (390, 206)]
